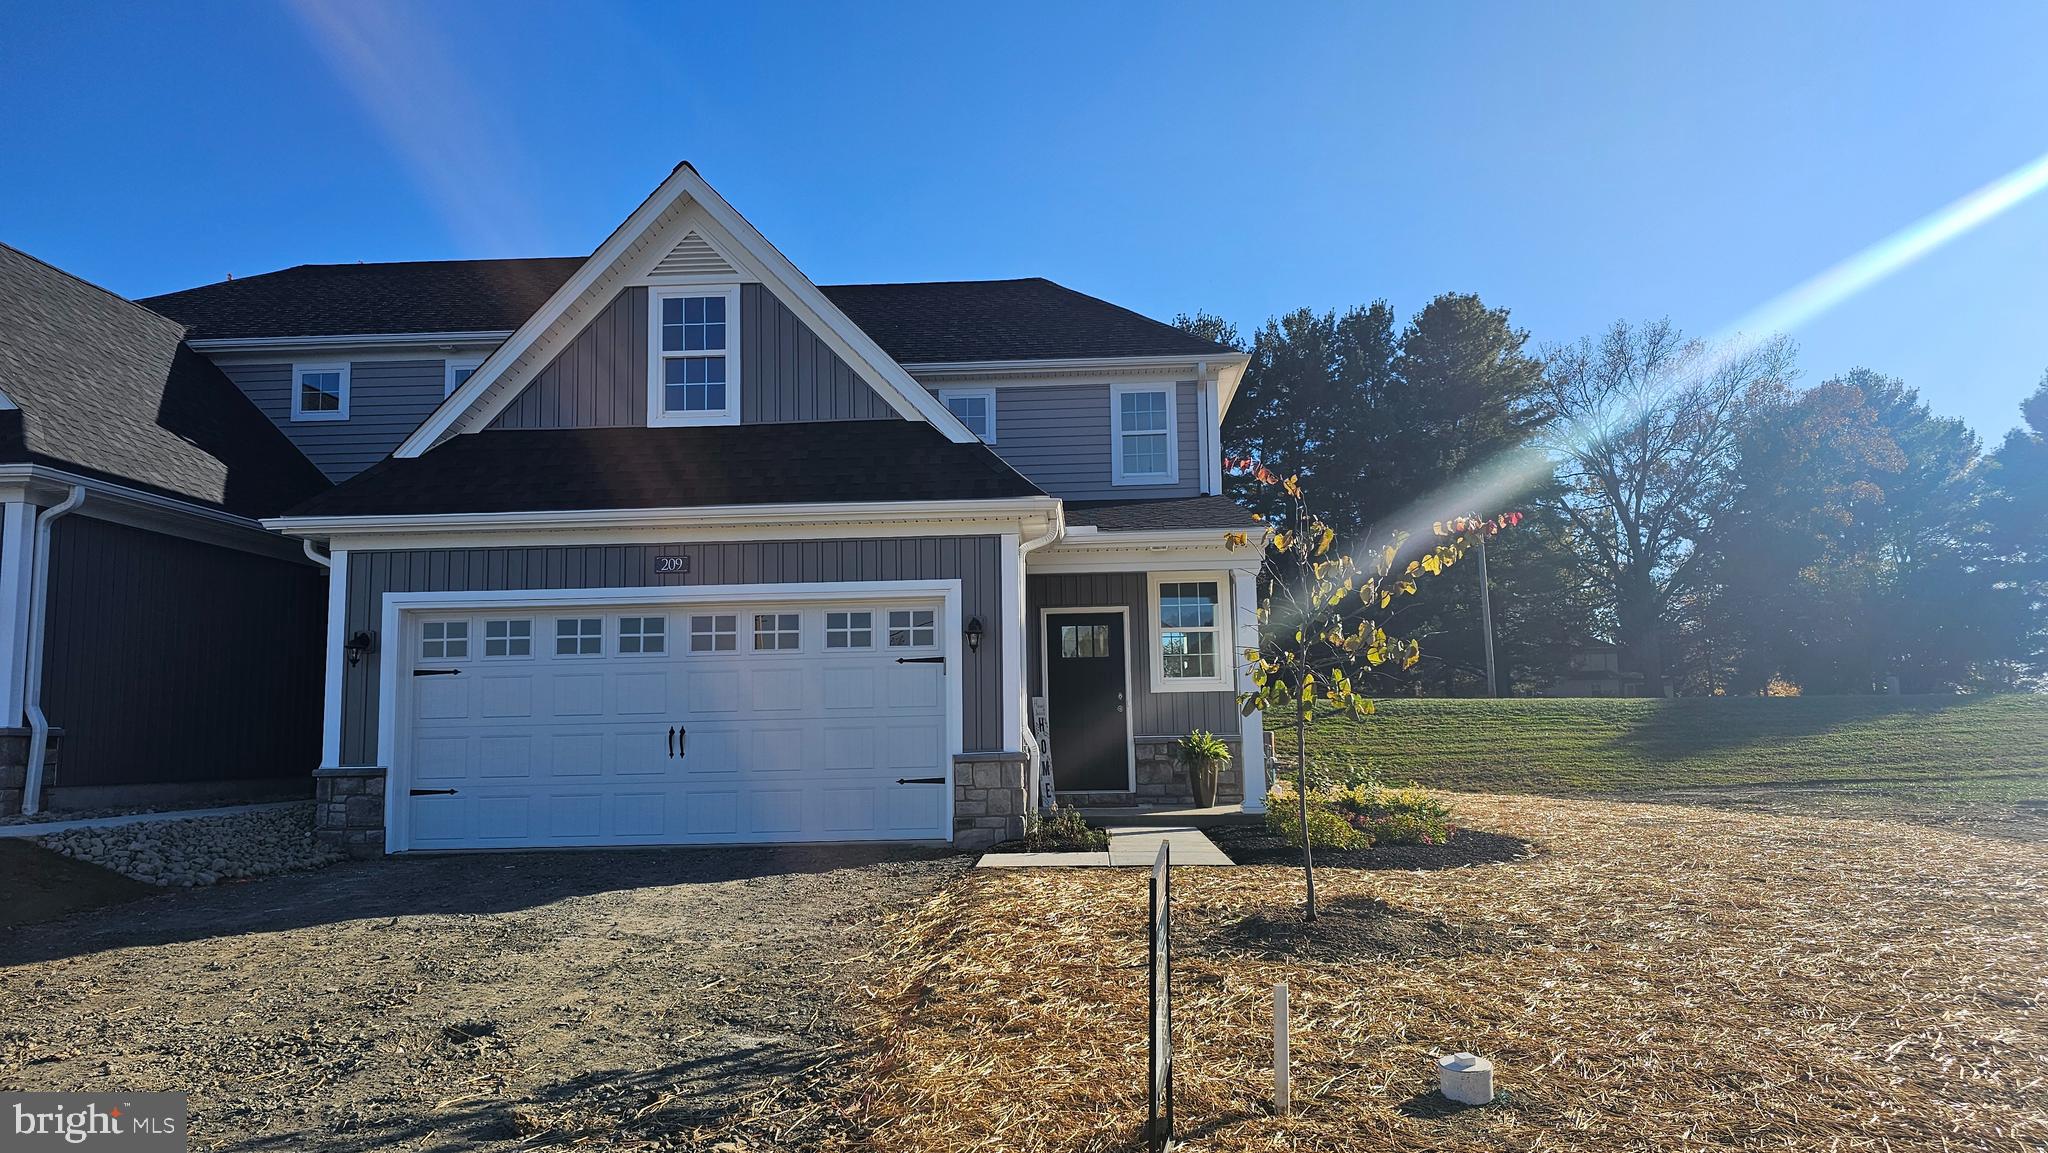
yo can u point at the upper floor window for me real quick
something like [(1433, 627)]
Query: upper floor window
[(695, 356), (455, 372), (1141, 436), (320, 391), (976, 408)]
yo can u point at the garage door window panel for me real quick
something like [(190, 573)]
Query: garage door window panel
[(579, 637), (849, 630), (508, 638), (778, 632), (643, 635), (714, 633), (444, 640), (912, 628)]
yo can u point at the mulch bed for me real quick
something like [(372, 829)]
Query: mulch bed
[(1657, 977), (1253, 845)]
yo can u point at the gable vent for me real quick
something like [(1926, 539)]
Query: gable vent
[(693, 256)]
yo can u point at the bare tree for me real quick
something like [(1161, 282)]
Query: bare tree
[(1646, 445)]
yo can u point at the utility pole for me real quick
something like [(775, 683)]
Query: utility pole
[(1486, 618)]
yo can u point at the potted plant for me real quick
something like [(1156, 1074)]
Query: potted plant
[(1203, 754)]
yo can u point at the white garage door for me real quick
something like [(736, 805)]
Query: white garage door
[(667, 724)]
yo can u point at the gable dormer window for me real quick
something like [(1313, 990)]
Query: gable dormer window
[(975, 407), (320, 391), (693, 356)]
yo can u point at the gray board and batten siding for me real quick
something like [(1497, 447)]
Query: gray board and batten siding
[(976, 561), (1152, 714), (598, 381), (1058, 435), (172, 661)]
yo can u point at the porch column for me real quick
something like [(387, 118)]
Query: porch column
[(17, 560), (337, 659), (1251, 732), (1012, 646)]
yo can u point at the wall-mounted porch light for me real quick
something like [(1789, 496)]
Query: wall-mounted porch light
[(974, 635), (359, 644)]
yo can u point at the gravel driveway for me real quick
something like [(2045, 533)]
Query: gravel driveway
[(615, 999)]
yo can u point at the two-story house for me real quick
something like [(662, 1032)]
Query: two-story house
[(671, 545)]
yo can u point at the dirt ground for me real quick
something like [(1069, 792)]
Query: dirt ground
[(614, 999), (38, 885)]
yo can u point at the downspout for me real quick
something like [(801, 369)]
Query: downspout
[(1027, 740), (323, 561), (32, 682)]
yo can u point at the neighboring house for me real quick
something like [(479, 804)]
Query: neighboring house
[(1594, 670), (157, 644), (671, 545)]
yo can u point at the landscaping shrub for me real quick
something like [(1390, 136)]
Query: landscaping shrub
[(1062, 831), (1410, 815), (1360, 815), (1327, 828)]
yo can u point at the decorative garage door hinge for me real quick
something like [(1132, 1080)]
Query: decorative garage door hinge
[(436, 672), (431, 792), (920, 780), (920, 660)]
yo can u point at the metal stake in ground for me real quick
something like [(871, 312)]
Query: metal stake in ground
[(1159, 1069)]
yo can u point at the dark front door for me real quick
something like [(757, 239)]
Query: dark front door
[(1084, 688)]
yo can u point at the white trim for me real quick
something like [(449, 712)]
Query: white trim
[(468, 408), (337, 658), (1184, 365), (1117, 476), (17, 577), (1161, 683), (299, 371), (450, 366), (1211, 437), (1251, 729), (721, 516), (1045, 616), (391, 620), (987, 395), (234, 344), (1011, 630), (147, 510), (658, 414)]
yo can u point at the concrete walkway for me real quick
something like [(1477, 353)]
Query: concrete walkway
[(46, 828), (1130, 846)]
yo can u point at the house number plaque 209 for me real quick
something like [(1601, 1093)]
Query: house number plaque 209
[(671, 564)]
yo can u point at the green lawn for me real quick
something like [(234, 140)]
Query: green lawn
[(1982, 748)]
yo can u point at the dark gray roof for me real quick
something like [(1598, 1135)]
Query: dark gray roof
[(562, 470), (1032, 319), (1186, 512), (109, 389)]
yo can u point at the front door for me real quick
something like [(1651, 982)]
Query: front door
[(1085, 684)]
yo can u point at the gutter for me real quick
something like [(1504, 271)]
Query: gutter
[(38, 620), (723, 516), (347, 340)]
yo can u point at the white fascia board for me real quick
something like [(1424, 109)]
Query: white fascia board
[(234, 344), (1228, 377), (148, 510), (722, 519), (1111, 364), (460, 412)]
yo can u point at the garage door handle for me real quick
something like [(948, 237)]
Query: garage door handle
[(920, 660), (671, 742), (431, 792), (920, 780)]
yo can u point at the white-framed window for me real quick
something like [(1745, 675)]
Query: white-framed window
[(508, 638), (643, 634), (850, 630), (714, 633), (579, 636), (456, 371), (693, 355), (775, 632), (1190, 632), (320, 391), (444, 640), (976, 408), (912, 628), (1142, 437)]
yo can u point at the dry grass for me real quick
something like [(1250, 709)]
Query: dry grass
[(1654, 978)]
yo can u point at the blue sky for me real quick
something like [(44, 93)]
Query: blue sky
[(1575, 163)]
